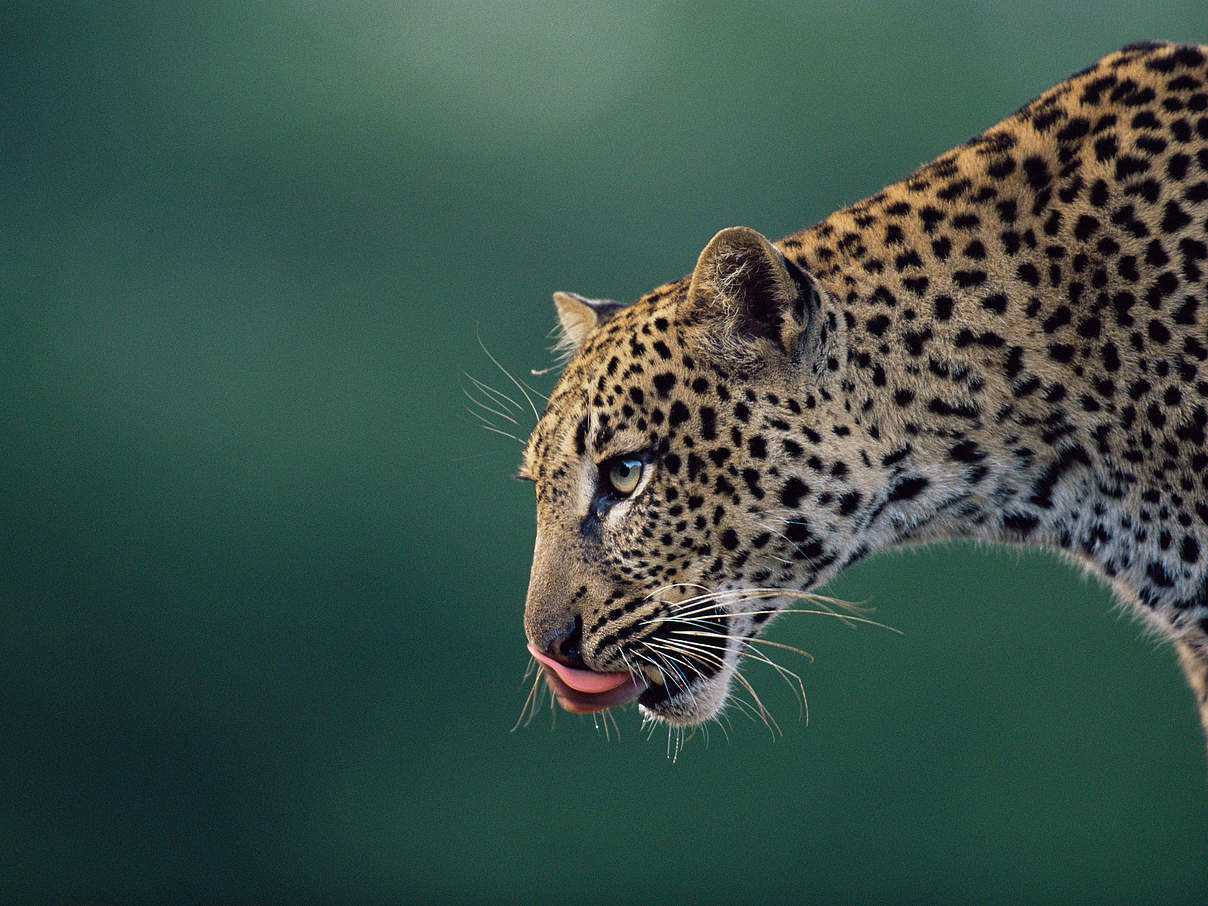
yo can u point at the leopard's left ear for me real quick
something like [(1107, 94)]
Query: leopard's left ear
[(747, 294), (579, 316)]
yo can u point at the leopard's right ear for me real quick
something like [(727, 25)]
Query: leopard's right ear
[(579, 316), (748, 303)]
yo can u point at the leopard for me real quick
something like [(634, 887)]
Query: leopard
[(1009, 345)]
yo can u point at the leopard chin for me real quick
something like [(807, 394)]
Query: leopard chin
[(697, 701)]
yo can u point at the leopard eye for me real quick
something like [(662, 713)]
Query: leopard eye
[(621, 474)]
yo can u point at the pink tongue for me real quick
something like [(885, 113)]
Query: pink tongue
[(581, 680)]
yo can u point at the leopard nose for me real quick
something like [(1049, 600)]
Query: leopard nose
[(568, 647)]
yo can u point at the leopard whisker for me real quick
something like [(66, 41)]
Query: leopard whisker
[(668, 587), (697, 651), (794, 681), (531, 700), (750, 640), (711, 617), (486, 423), (487, 407), (842, 617), (687, 651), (671, 662), (722, 594), (519, 385), (498, 397), (704, 610), (769, 721), (660, 660)]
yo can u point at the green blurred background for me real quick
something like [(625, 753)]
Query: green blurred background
[(262, 575)]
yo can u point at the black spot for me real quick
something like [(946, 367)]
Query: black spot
[(943, 307), (966, 451), (678, 414), (1061, 352), (1129, 165), (1106, 147), (1185, 313), (915, 340), (792, 492), (1014, 363), (758, 447), (1021, 523), (1175, 218), (908, 488), (663, 383), (751, 477), (1085, 227), (996, 302), (729, 539), (1157, 574), (1089, 327), (849, 502), (876, 325), (963, 410), (1189, 550), (1059, 318), (1042, 490), (1037, 172), (1026, 387), (1001, 168), (661, 348), (1074, 129), (988, 339)]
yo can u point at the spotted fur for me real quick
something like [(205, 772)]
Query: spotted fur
[(1011, 344)]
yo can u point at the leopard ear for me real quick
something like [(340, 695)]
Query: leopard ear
[(579, 316), (744, 291)]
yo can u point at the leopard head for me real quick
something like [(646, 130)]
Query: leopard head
[(672, 515)]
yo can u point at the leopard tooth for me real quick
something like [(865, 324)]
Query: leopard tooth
[(654, 674)]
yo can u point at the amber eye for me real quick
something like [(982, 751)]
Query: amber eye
[(622, 474)]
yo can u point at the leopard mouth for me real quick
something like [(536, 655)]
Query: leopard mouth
[(667, 694), (584, 691)]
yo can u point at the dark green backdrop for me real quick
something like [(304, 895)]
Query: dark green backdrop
[(261, 575)]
